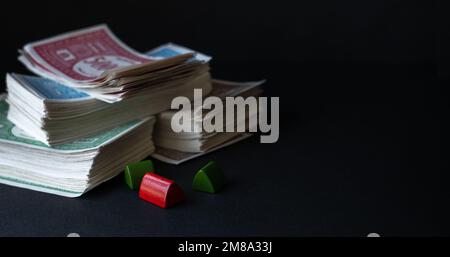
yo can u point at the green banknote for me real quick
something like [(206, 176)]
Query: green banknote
[(12, 134)]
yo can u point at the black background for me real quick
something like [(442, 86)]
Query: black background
[(362, 87)]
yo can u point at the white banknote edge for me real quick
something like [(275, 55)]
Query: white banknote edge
[(49, 149), (140, 122), (167, 159), (38, 187)]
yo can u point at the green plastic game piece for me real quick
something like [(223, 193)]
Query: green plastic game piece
[(134, 173), (209, 179)]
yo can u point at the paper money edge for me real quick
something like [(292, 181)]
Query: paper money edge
[(38, 187), (195, 155)]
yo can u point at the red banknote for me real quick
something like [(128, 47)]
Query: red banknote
[(83, 55), (97, 63)]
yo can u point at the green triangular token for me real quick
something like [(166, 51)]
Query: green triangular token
[(134, 173), (209, 179)]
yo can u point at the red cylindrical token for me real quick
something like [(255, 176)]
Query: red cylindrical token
[(160, 191)]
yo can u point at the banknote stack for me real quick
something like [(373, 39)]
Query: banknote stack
[(62, 106), (74, 168), (96, 62), (55, 114), (92, 108), (179, 147), (89, 113)]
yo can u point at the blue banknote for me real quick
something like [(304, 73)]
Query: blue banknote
[(49, 89), (164, 52), (170, 50)]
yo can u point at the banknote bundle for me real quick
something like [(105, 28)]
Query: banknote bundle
[(96, 62), (55, 113), (66, 108), (177, 147), (74, 168), (93, 107)]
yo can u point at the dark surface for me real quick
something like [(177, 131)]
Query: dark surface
[(350, 169), (364, 103)]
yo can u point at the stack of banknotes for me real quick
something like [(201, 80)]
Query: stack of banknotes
[(92, 108), (96, 62), (74, 168), (55, 114), (177, 147)]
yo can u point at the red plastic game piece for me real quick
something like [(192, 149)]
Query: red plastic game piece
[(160, 191)]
